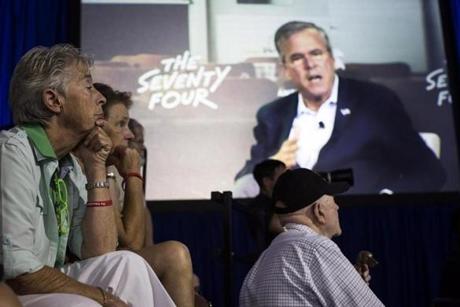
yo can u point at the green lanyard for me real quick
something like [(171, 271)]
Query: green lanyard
[(61, 207), (61, 204)]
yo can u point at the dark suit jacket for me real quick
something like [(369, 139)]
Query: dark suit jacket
[(376, 139)]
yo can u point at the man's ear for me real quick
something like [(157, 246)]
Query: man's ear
[(50, 98), (318, 212)]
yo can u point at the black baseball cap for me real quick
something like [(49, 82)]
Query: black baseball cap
[(300, 187)]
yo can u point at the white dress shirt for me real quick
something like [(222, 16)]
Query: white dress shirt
[(313, 129)]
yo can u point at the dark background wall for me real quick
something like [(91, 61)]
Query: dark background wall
[(25, 24)]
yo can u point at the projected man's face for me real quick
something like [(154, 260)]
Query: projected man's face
[(309, 65), (118, 116)]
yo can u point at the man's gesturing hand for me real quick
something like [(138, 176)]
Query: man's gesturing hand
[(287, 153)]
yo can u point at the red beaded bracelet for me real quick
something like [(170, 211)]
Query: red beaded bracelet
[(99, 203)]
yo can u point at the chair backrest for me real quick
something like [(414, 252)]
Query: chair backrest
[(376, 70), (265, 67)]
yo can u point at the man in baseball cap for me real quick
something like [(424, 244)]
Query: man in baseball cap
[(303, 266)]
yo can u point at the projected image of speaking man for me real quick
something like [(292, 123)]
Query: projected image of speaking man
[(334, 123)]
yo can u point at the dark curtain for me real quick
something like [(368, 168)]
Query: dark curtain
[(455, 11), (28, 23), (411, 241)]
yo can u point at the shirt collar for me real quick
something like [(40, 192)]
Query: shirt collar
[(39, 138), (44, 151), (331, 100), (299, 227)]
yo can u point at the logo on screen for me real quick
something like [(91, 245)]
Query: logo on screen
[(437, 79), (182, 81)]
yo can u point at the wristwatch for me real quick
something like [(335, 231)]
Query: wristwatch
[(97, 185)]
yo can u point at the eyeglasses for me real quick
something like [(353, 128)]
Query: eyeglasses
[(61, 204), (298, 59)]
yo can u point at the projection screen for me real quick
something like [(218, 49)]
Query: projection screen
[(200, 70)]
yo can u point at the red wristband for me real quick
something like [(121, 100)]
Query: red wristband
[(132, 174), (100, 203)]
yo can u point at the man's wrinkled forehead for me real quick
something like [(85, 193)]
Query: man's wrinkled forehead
[(76, 73), (77, 68), (82, 71)]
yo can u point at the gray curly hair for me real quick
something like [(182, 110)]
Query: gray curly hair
[(41, 68)]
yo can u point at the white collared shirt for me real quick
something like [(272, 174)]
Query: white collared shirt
[(30, 229), (313, 129)]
